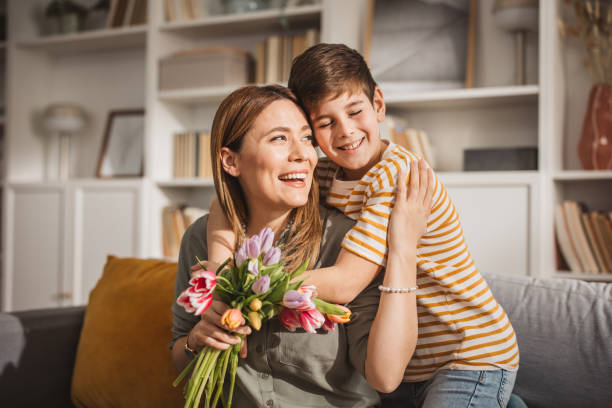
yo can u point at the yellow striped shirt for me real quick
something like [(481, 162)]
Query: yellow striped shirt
[(461, 326)]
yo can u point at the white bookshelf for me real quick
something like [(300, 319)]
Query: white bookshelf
[(95, 40), (263, 20), (583, 276), (586, 175), (118, 68), (472, 98)]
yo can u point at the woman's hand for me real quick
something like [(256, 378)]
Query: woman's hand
[(209, 331), (408, 221)]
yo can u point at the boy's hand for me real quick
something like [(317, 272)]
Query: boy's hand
[(408, 221)]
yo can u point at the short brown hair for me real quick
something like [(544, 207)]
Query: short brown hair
[(233, 119), (329, 70)]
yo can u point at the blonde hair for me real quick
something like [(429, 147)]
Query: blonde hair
[(233, 119)]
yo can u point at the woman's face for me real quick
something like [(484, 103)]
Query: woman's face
[(276, 160)]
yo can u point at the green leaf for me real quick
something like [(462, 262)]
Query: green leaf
[(276, 295), (295, 285), (300, 270), (220, 268), (327, 308)]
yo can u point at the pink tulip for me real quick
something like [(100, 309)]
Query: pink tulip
[(253, 247), (203, 281), (240, 256), (252, 267), (289, 318), (311, 320), (261, 285), (328, 324)]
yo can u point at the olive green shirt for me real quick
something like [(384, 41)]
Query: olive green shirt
[(295, 369)]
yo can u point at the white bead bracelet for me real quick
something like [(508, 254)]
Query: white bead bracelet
[(386, 289)]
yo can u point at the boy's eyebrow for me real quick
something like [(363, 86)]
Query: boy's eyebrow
[(348, 106)]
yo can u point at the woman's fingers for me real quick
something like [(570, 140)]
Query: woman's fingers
[(203, 265)]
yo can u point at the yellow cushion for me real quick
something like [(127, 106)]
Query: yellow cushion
[(123, 358)]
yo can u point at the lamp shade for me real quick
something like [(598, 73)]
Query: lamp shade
[(64, 117), (516, 15)]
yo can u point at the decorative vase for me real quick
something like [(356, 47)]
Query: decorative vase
[(595, 144)]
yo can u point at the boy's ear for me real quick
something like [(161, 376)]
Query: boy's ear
[(230, 161), (379, 105)]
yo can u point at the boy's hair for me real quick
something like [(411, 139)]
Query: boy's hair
[(329, 70)]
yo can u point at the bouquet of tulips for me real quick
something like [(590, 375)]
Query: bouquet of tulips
[(257, 287)]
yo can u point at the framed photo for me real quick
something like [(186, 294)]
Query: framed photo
[(421, 45), (122, 150)]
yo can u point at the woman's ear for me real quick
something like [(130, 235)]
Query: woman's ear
[(230, 161), (379, 105)]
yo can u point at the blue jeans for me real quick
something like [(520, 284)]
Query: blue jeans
[(455, 389)]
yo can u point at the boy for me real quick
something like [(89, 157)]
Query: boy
[(465, 337)]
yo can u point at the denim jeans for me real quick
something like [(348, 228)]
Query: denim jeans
[(455, 389)]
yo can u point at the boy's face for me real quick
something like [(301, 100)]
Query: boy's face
[(346, 129)]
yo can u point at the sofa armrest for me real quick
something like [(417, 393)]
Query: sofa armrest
[(37, 354)]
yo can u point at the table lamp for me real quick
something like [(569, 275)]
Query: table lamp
[(62, 120), (518, 17)]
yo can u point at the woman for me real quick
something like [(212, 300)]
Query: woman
[(263, 173)]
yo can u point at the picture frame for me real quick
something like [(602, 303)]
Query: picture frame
[(122, 151), (421, 45)]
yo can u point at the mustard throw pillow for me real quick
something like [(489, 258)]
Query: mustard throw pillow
[(123, 358)]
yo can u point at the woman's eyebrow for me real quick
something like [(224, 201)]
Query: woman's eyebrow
[(285, 129)]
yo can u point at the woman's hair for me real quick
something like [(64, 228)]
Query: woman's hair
[(234, 118)]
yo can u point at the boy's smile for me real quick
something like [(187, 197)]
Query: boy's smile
[(346, 129)]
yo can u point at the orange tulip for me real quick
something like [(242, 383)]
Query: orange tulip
[(343, 318), (232, 318)]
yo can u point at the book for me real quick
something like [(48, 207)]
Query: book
[(412, 136), (191, 214), (170, 244), (426, 148), (605, 226), (119, 16), (139, 15), (578, 236), (170, 11), (568, 248), (299, 45), (272, 59), (599, 228), (593, 243), (205, 164), (260, 63), (112, 11), (287, 57), (129, 12)]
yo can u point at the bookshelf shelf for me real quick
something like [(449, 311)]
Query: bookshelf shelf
[(247, 22), (583, 276), (95, 40), (582, 175), (483, 178), (186, 182), (460, 98), (198, 95)]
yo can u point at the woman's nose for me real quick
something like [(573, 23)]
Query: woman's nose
[(298, 151)]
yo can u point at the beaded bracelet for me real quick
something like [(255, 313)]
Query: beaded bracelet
[(386, 289)]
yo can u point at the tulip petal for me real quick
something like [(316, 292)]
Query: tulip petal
[(266, 236)]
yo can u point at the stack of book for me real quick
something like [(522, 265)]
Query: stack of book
[(416, 141), (126, 13), (192, 155), (175, 220), (184, 10), (584, 238), (274, 56)]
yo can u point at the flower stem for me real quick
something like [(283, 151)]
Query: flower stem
[(224, 359)]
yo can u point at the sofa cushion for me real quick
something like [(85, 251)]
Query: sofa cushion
[(564, 330), (123, 358)]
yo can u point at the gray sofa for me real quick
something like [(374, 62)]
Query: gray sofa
[(564, 330)]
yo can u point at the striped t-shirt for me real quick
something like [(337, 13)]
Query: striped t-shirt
[(461, 325)]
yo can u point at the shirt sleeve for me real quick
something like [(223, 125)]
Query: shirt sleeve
[(193, 244), (368, 238)]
